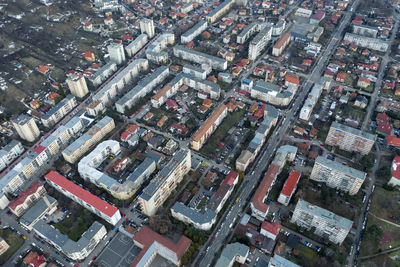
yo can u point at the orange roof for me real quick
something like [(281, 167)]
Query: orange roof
[(231, 106), (258, 199), (207, 102), (208, 123), (162, 120), (162, 92), (132, 128), (273, 228), (282, 41), (292, 78), (363, 79), (291, 183), (341, 75), (33, 188), (43, 69), (53, 95), (393, 141)]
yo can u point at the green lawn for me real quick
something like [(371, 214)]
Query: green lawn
[(75, 226), (13, 240), (306, 256)]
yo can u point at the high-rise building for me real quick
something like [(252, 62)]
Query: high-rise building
[(77, 86), (147, 27), (327, 224), (117, 53), (26, 128)]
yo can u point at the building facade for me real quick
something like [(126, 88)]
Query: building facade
[(56, 113), (77, 85), (289, 188), (10, 152), (368, 42), (137, 44), (259, 42), (26, 128), (193, 32), (27, 198), (117, 53), (200, 58)]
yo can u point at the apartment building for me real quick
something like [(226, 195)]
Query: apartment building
[(367, 42), (77, 85), (337, 175), (193, 32), (281, 44), (350, 139), (234, 252), (26, 128), (272, 93), (208, 127), (312, 99), (103, 73), (200, 58), (197, 72), (45, 206), (327, 224), (259, 42), (147, 27), (3, 246), (145, 86), (247, 32), (155, 51), (137, 44), (259, 208), (217, 12), (88, 170), (365, 30), (56, 113), (76, 251), (10, 152), (154, 195), (27, 198), (289, 188), (84, 198), (117, 53), (81, 145), (395, 178)]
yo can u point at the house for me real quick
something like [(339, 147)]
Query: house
[(88, 26), (161, 122), (299, 131), (395, 179), (353, 47), (392, 142), (207, 103), (385, 128), (341, 77), (292, 80), (108, 21), (148, 116), (34, 260), (270, 230), (35, 104), (363, 82), (179, 129), (382, 117), (89, 56), (171, 104), (361, 101)]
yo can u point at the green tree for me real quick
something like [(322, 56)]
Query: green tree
[(367, 162)]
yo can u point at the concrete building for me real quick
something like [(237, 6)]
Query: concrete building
[(103, 73), (337, 175), (3, 246), (281, 44), (193, 32), (76, 251), (270, 229), (395, 179), (56, 113), (27, 198), (137, 44), (84, 198), (289, 188), (259, 208), (81, 145), (202, 220), (247, 32), (117, 53), (145, 86), (350, 139), (208, 127), (77, 85), (367, 42), (147, 27), (166, 180), (200, 58), (3, 201), (365, 30), (10, 152), (312, 99), (26, 128), (197, 72), (327, 224), (217, 12), (46, 205), (272, 93), (279, 261), (153, 245), (155, 52), (302, 12), (235, 252), (88, 165), (259, 42)]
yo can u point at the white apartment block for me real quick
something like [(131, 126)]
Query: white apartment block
[(272, 93), (87, 168), (137, 44), (313, 96), (103, 73), (155, 52), (350, 139), (10, 152), (117, 53), (259, 42), (197, 72), (26, 128), (217, 12), (165, 182), (327, 224), (289, 188), (368, 42), (77, 85), (302, 12), (247, 32), (81, 145), (365, 30), (84, 198), (56, 113), (337, 175), (200, 58), (281, 44), (27, 198), (147, 27), (144, 87), (200, 220), (193, 32), (208, 127)]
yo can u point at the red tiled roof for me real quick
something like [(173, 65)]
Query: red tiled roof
[(292, 78), (291, 183), (262, 190), (132, 128), (39, 149), (81, 193), (125, 135), (393, 141), (396, 167), (273, 228), (24, 194), (231, 178), (146, 237), (385, 127)]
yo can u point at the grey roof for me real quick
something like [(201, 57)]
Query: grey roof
[(194, 68), (354, 131), (200, 54), (11, 145), (348, 171), (207, 216), (230, 252), (36, 210), (145, 165), (57, 107), (278, 261), (136, 41), (104, 68), (154, 156), (22, 119), (216, 10), (337, 220), (213, 86), (266, 86), (364, 26), (250, 27), (194, 28), (261, 35)]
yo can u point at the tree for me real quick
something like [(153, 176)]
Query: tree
[(384, 172), (367, 162)]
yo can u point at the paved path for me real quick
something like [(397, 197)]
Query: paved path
[(384, 220), (380, 253)]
